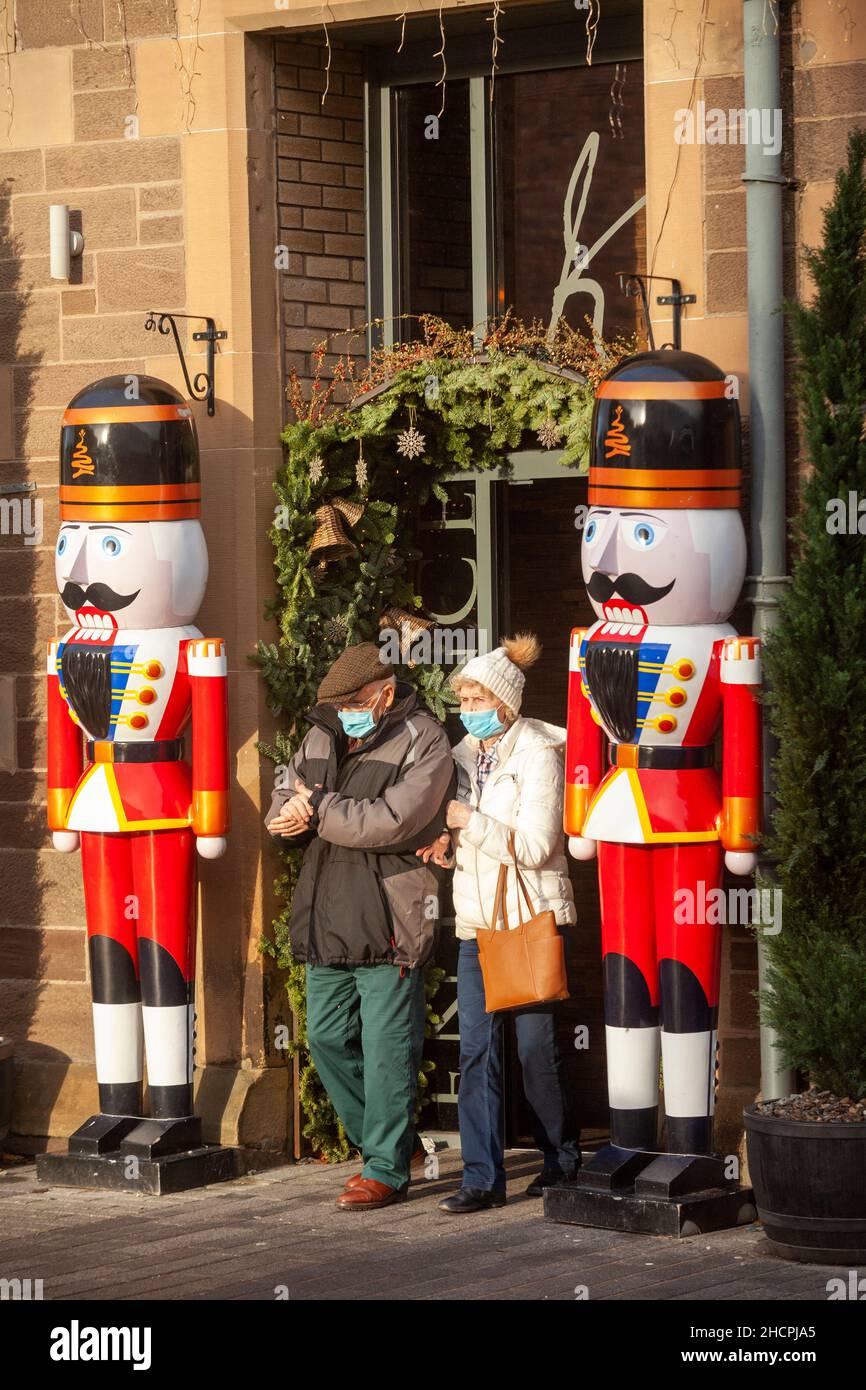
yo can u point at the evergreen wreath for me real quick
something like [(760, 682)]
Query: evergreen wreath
[(473, 403)]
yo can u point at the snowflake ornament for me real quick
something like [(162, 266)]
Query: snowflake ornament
[(336, 629), (410, 443), (549, 433), (361, 471), (317, 468)]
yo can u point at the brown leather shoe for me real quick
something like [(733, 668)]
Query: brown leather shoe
[(369, 1195), (416, 1161)]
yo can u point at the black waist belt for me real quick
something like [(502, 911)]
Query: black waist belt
[(637, 755), (164, 750)]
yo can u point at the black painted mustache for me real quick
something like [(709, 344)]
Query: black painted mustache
[(631, 587), (100, 595)]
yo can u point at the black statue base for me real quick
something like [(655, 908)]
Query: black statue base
[(124, 1153), (652, 1194)]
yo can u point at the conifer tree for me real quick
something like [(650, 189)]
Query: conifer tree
[(816, 663)]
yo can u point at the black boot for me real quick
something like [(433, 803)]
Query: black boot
[(468, 1199), (549, 1177)]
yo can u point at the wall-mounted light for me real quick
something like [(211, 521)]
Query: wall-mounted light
[(64, 242)]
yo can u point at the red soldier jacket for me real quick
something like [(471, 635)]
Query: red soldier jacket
[(130, 695), (645, 705)]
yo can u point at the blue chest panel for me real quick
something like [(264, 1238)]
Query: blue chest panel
[(120, 659), (651, 658)]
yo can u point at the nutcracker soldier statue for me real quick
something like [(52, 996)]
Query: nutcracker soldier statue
[(123, 683), (651, 685)]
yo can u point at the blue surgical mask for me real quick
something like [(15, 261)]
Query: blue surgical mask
[(358, 723), (482, 723)]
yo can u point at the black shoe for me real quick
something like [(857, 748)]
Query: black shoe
[(549, 1177), (467, 1199)]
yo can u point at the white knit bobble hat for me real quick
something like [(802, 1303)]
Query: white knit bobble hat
[(497, 674)]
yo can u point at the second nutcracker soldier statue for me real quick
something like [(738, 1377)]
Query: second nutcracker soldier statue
[(652, 684), (124, 682)]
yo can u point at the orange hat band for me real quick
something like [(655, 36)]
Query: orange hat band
[(126, 414), (662, 390), (153, 511), (161, 502), (664, 487), (671, 498)]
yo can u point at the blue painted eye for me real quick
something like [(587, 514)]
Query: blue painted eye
[(644, 533), (61, 544), (589, 533), (111, 545)]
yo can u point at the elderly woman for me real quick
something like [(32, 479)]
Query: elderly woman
[(510, 778)]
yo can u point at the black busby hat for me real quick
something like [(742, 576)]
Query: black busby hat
[(665, 433), (129, 451)]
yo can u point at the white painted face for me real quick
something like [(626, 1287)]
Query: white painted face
[(670, 568), (134, 575)]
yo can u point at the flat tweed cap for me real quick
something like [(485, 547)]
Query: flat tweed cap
[(355, 667)]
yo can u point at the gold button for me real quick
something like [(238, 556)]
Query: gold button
[(138, 721), (675, 696), (684, 669), (146, 696), (666, 724), (153, 670)]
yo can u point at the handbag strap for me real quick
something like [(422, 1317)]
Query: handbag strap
[(501, 886)]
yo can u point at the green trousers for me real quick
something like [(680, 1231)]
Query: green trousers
[(365, 1028)]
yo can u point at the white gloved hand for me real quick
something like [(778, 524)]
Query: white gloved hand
[(211, 846), (65, 841), (740, 862), (579, 847)]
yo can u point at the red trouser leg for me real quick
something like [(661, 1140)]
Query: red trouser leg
[(110, 905), (630, 992), (164, 870), (689, 962)]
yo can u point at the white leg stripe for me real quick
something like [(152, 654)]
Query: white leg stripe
[(168, 1041), (117, 1041), (689, 1064), (632, 1067)]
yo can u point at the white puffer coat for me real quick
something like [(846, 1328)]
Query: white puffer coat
[(523, 793)]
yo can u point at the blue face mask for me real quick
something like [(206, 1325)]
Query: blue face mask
[(482, 723), (358, 723)]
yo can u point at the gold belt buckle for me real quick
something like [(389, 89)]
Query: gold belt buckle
[(626, 754), (103, 751)]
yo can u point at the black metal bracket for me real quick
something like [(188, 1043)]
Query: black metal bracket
[(633, 284), (202, 387)]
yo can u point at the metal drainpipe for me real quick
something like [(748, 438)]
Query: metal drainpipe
[(764, 183)]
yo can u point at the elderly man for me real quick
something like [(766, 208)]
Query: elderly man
[(367, 789)]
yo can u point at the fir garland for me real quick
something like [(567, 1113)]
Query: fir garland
[(472, 407)]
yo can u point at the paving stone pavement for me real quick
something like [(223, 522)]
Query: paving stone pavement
[(278, 1234)]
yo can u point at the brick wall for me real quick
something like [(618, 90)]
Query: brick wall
[(320, 170)]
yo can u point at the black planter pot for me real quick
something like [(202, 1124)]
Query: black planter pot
[(810, 1187)]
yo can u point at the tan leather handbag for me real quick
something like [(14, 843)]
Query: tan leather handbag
[(524, 964)]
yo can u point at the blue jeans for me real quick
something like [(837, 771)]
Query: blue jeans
[(479, 1097)]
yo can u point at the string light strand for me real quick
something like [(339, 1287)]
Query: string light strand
[(328, 64), (440, 53), (495, 46)]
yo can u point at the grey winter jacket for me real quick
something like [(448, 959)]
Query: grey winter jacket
[(363, 896)]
